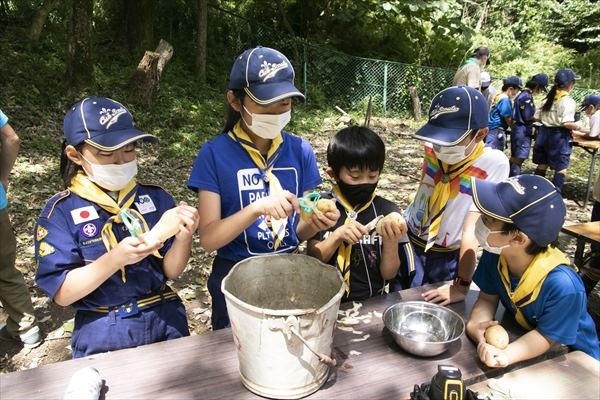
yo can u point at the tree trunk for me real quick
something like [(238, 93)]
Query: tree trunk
[(40, 19), (201, 30), (139, 17), (80, 69), (288, 27), (145, 82), (416, 103)]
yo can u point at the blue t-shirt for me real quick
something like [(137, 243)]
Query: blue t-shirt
[(3, 199), (224, 167), (499, 112), (560, 311), (524, 108), (68, 236)]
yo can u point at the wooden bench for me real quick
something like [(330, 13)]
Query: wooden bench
[(584, 233)]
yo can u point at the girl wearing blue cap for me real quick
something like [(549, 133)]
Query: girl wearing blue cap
[(501, 113), (522, 117), (552, 146), (249, 177), (522, 268), (91, 244)]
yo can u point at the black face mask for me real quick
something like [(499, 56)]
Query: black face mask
[(359, 194)]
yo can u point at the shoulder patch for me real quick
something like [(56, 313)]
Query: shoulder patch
[(45, 249), (47, 211)]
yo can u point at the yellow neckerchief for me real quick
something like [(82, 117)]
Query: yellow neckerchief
[(86, 189), (496, 99), (441, 193), (344, 250), (266, 168), (530, 284), (559, 95)]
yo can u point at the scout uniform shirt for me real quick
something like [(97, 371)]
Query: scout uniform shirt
[(68, 236)]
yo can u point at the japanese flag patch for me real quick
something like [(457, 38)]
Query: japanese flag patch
[(84, 214)]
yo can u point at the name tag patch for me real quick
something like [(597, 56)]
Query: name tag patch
[(84, 214), (145, 204)]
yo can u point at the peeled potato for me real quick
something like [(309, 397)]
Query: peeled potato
[(496, 336), (326, 205), (167, 226), (393, 216), (306, 211)]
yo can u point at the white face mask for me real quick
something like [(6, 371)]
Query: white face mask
[(451, 154), (268, 126), (482, 233), (113, 177)]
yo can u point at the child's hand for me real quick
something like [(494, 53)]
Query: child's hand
[(351, 233), (392, 230), (324, 221), (189, 218), (278, 206), (446, 294), (492, 356), (132, 250), (476, 330)]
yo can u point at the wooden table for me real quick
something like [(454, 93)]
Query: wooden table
[(206, 366), (590, 146), (586, 232), (574, 375)]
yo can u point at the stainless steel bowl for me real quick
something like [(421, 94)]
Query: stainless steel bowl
[(423, 328)]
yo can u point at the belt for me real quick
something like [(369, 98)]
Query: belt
[(135, 306), (436, 248)]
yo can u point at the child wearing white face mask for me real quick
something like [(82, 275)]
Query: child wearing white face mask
[(522, 268), (249, 178), (441, 218), (88, 257)]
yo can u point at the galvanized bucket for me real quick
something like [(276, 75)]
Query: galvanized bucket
[(283, 310)]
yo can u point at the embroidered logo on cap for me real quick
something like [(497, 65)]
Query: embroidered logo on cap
[(516, 185), (110, 116), (269, 70), (89, 230), (439, 110), (84, 214)]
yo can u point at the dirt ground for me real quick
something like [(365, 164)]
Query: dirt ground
[(398, 180)]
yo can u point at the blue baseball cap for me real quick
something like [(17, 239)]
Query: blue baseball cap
[(564, 76), (513, 81), (454, 113), (530, 202), (591, 100), (266, 75), (103, 123), (540, 79)]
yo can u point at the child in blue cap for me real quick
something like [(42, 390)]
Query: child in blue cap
[(552, 146), (501, 113), (441, 218), (521, 267), (249, 177), (368, 257), (522, 117), (89, 254)]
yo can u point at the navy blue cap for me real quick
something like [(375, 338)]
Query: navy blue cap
[(103, 123), (530, 202), (564, 76), (591, 100), (266, 75), (513, 81), (540, 79), (454, 113)]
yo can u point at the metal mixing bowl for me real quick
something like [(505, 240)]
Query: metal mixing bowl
[(423, 328)]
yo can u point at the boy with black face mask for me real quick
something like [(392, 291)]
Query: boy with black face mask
[(367, 257)]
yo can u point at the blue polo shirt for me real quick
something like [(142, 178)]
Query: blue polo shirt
[(3, 199), (500, 112), (524, 108), (224, 167), (560, 311), (68, 236)]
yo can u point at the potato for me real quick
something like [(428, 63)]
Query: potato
[(394, 216), (497, 336), (167, 226), (326, 205)]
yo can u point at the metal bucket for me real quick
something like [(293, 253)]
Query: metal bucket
[(283, 310)]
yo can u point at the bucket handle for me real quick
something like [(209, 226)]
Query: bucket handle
[(292, 325)]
